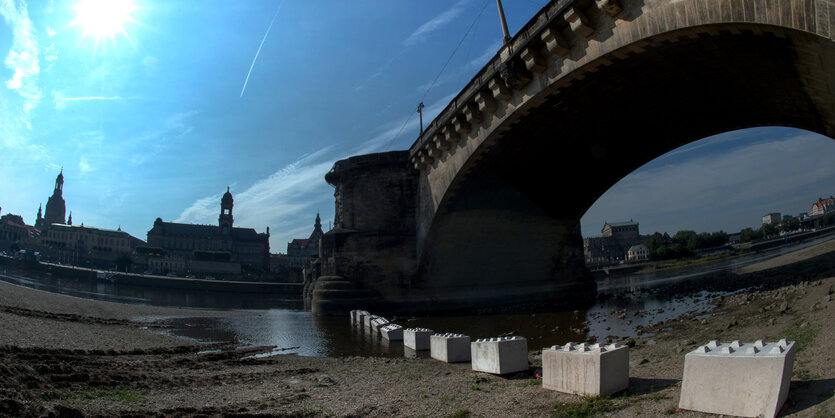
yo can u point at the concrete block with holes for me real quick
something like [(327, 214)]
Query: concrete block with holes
[(588, 369), (392, 332), (417, 338), (748, 380), (450, 348), (500, 355)]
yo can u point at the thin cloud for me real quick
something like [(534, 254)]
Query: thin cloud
[(61, 101), (22, 58), (436, 23), (157, 140), (284, 200)]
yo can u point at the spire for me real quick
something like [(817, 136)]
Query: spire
[(69, 221), (318, 224), (40, 213)]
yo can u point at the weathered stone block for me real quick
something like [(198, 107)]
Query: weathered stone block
[(417, 338), (450, 348), (499, 355), (392, 332), (737, 379), (586, 369)]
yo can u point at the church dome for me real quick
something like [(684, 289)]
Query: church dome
[(227, 197)]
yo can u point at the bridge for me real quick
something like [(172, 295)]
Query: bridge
[(484, 208)]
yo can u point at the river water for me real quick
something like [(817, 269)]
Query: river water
[(287, 326)]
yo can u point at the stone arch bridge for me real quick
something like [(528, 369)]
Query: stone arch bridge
[(484, 208)]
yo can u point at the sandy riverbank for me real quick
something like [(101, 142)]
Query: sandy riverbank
[(72, 357)]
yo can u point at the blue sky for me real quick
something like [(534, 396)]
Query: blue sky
[(158, 117)]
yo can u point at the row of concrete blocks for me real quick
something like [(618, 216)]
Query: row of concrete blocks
[(731, 379), (738, 379), (501, 355)]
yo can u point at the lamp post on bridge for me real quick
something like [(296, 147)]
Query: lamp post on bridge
[(504, 22), (420, 112)]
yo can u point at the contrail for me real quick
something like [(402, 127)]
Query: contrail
[(259, 47)]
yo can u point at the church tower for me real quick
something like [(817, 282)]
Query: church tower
[(56, 208), (225, 219)]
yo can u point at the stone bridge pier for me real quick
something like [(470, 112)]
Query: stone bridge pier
[(483, 209)]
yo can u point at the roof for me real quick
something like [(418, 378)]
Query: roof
[(637, 247), (92, 230), (207, 231), (616, 224)]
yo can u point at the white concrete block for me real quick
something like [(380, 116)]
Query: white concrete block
[(361, 317), (378, 323), (367, 320), (353, 314), (739, 379), (392, 332), (499, 355), (417, 338), (586, 369), (450, 348)]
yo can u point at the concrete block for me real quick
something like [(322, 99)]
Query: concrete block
[(392, 332), (367, 320), (378, 323), (739, 379), (586, 369), (499, 355), (417, 338), (450, 348), (361, 316)]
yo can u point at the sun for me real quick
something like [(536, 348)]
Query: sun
[(104, 18)]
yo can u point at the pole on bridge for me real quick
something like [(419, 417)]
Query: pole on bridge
[(504, 22), (420, 112)]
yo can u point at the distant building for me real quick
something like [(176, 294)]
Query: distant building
[(787, 217), (207, 249), (822, 206), (637, 253), (289, 267), (13, 232), (771, 218), (614, 245), (56, 208), (86, 246)]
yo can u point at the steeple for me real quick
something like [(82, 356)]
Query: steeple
[(40, 216), (69, 221), (225, 220), (59, 183), (55, 212)]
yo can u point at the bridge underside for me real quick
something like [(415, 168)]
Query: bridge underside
[(510, 217)]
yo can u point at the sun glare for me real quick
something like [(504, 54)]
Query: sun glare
[(104, 18)]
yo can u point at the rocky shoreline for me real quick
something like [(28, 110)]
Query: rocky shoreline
[(64, 356)]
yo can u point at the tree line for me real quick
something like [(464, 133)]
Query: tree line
[(686, 243), (683, 243)]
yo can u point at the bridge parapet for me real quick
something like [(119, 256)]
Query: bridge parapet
[(553, 29)]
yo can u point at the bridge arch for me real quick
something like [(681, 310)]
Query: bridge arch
[(505, 194)]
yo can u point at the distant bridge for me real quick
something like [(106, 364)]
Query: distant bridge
[(484, 208)]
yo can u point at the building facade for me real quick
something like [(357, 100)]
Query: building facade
[(613, 246), (88, 247), (637, 253), (14, 233), (771, 218), (300, 252), (822, 206), (188, 245)]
